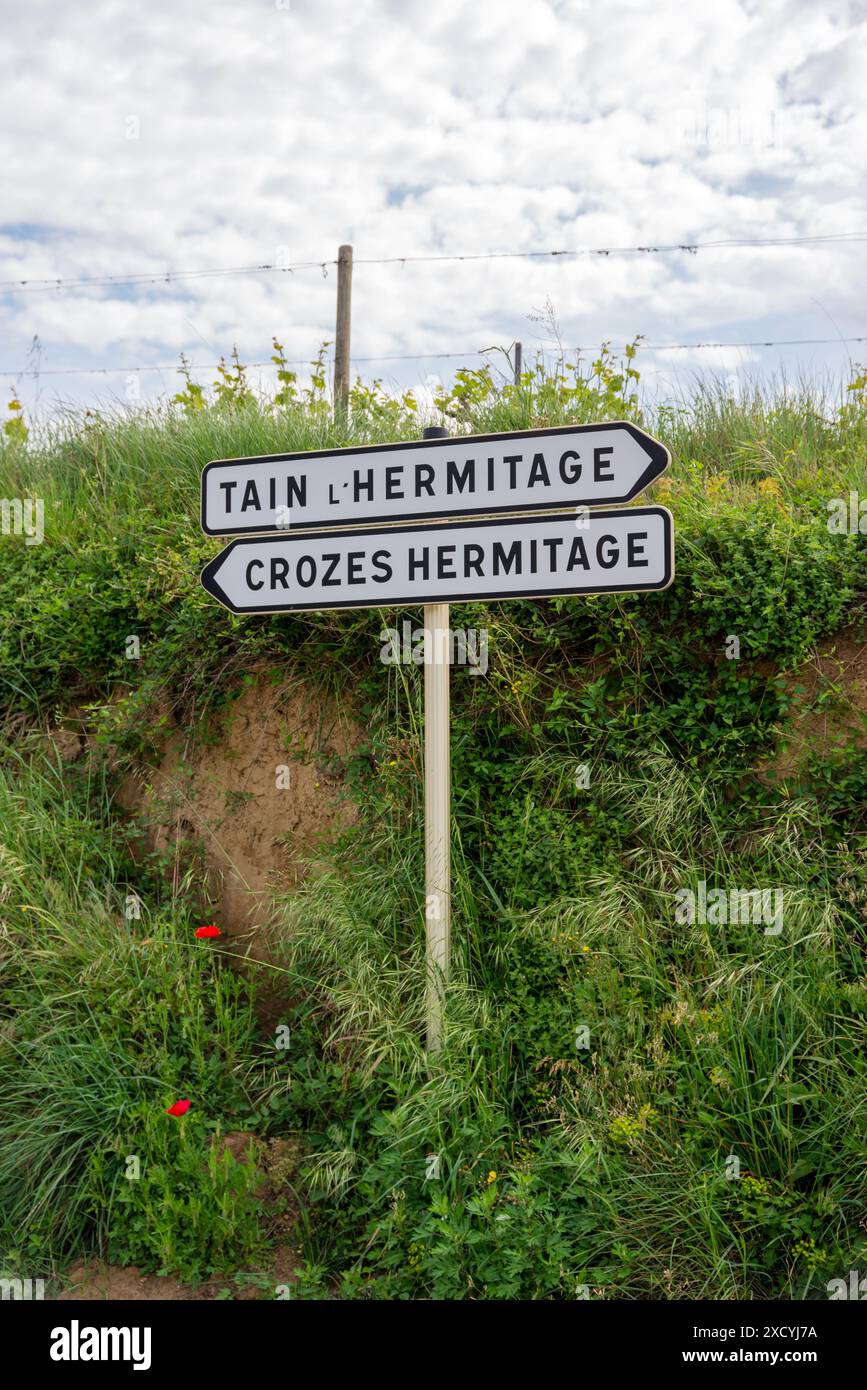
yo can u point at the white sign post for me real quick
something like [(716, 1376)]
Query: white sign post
[(370, 564), (437, 809), (437, 817)]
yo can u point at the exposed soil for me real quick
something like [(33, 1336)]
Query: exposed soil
[(830, 706), (247, 802), (93, 1282), (253, 796)]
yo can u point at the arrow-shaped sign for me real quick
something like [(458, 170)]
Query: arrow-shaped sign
[(600, 552), (473, 475)]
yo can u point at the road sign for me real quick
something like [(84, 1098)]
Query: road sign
[(594, 552), (486, 474), (429, 554)]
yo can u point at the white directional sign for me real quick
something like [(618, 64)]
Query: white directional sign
[(526, 471), (598, 552)]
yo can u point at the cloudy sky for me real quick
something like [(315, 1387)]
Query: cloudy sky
[(180, 135)]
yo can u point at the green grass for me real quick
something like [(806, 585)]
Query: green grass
[(608, 1067), (703, 1042)]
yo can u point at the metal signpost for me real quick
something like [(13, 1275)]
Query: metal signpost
[(389, 525), (437, 809)]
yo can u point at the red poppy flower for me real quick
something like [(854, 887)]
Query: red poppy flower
[(205, 932), (180, 1107)]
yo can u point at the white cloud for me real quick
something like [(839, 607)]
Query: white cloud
[(412, 128)]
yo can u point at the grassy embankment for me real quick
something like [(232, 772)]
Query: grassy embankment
[(561, 1166)]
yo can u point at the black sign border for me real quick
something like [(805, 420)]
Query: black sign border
[(660, 459), (212, 587)]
